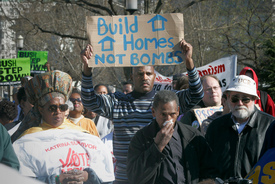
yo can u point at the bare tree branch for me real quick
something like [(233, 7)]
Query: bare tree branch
[(188, 5), (112, 6), (104, 8), (158, 7)]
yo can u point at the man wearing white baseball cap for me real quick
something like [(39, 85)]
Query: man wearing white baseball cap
[(237, 138)]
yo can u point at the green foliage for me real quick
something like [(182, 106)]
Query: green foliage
[(267, 67)]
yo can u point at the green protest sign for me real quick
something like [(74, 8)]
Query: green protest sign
[(38, 60), (12, 70)]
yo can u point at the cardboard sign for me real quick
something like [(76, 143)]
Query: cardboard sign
[(38, 60), (135, 40), (12, 70), (263, 171), (203, 113)]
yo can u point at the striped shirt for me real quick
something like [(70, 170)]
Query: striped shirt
[(131, 112)]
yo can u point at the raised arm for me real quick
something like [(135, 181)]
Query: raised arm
[(100, 104), (190, 97), (85, 55)]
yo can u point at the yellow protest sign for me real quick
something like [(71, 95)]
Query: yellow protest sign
[(135, 40)]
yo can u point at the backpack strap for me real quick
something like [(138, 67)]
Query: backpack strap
[(263, 99)]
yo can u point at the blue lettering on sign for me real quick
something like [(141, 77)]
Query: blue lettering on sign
[(171, 43), (151, 41), (147, 43), (169, 58), (162, 41), (103, 28), (111, 59), (179, 58), (125, 42), (142, 59), (160, 57), (113, 31), (101, 22), (155, 21), (98, 58), (120, 56), (136, 59), (139, 44), (104, 40)]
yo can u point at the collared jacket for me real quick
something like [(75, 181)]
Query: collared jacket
[(235, 154), (145, 160)]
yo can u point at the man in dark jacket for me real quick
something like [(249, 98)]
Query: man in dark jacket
[(167, 151), (237, 138)]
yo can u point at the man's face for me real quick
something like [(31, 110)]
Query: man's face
[(101, 90), (212, 92), (143, 78), (54, 118), (166, 112), (241, 104)]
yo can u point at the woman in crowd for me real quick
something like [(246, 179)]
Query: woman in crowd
[(58, 151), (76, 115)]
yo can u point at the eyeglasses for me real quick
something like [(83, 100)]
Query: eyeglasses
[(244, 100), (75, 99), (62, 108)]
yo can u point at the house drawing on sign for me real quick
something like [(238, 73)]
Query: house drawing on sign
[(104, 43), (156, 21)]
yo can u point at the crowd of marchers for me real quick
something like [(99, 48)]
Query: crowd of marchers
[(55, 133)]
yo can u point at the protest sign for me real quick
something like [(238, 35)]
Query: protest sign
[(135, 40), (225, 69), (263, 171), (162, 82), (38, 60), (12, 70), (203, 113)]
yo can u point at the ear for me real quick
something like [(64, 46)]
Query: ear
[(178, 111), (153, 112)]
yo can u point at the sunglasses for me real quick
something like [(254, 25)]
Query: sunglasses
[(244, 100), (75, 99), (62, 108)]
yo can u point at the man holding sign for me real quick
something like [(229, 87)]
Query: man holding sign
[(131, 112)]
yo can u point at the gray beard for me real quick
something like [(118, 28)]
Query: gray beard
[(242, 113)]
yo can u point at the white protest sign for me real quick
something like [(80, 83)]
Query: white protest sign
[(135, 40), (51, 152), (225, 69), (162, 82), (203, 113)]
